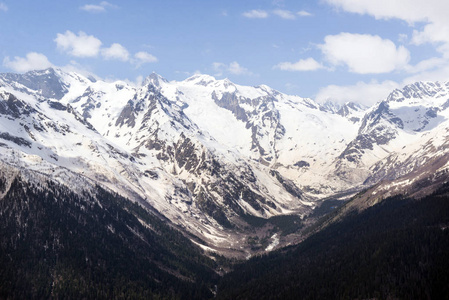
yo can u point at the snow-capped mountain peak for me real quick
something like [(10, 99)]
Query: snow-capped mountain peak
[(420, 90), (154, 79), (200, 79)]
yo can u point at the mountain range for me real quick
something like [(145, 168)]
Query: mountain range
[(204, 188), (214, 158)]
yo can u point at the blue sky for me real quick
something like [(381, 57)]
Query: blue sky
[(343, 50)]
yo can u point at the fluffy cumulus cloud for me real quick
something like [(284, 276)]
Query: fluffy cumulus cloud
[(236, 69), (361, 92), (364, 54), (218, 68), (440, 73), (98, 8), (3, 7), (432, 33), (256, 14), (233, 68), (369, 93), (81, 45), (308, 64), (142, 57), (432, 12), (407, 10), (430, 24), (116, 51), (284, 14), (361, 53), (32, 61), (426, 65)]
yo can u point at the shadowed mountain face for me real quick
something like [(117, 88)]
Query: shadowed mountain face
[(48, 83)]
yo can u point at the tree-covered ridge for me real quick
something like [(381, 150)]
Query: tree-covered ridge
[(396, 249), (57, 244)]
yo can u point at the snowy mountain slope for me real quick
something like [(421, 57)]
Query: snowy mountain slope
[(208, 153), (414, 175), (47, 84), (54, 139), (395, 127), (294, 135), (350, 110), (156, 129), (45, 133), (145, 148), (431, 126)]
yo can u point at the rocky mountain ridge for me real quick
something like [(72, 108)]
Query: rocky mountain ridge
[(208, 153)]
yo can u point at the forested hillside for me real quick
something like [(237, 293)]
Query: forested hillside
[(57, 244), (396, 249)]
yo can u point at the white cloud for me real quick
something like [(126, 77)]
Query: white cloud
[(98, 8), (372, 92), (116, 51), (233, 68), (93, 8), (81, 45), (236, 69), (427, 64), (429, 17), (432, 33), (32, 61), (142, 57), (403, 37), (289, 15), (284, 14), (256, 14), (364, 54), (3, 7), (408, 10), (218, 68), (361, 92), (308, 64), (431, 12), (441, 73), (304, 13), (431, 25), (137, 82)]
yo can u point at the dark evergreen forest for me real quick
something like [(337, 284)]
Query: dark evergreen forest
[(398, 249), (58, 244)]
